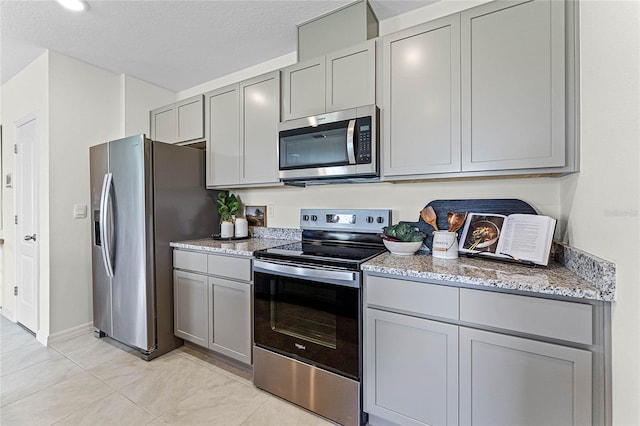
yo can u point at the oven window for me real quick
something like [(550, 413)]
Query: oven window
[(304, 312)]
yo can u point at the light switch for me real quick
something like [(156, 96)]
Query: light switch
[(80, 211)]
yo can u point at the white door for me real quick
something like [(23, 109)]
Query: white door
[(27, 238)]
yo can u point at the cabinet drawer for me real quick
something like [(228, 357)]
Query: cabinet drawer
[(410, 296), (550, 318), (230, 267), (190, 260)]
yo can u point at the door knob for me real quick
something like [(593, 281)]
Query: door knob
[(30, 237)]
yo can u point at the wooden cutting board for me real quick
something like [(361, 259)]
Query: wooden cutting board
[(504, 206)]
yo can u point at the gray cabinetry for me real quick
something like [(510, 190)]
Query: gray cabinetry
[(303, 90), (260, 114), (506, 380), (223, 136), (242, 133), (163, 124), (179, 122), (421, 91), (212, 302), (483, 92), (230, 318), (341, 80), (411, 366), (513, 86), (439, 354), (190, 306)]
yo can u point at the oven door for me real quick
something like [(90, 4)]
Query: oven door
[(310, 314)]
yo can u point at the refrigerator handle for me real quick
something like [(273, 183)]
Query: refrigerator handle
[(104, 231)]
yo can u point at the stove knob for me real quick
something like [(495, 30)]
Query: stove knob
[(314, 217), (369, 219), (305, 217), (380, 219)]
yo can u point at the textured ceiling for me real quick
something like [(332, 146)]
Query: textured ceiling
[(174, 44)]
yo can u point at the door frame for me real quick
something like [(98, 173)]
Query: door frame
[(35, 116)]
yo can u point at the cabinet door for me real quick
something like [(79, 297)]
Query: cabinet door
[(303, 90), (506, 380), (163, 124), (230, 318), (260, 106), (513, 105), (190, 307), (411, 369), (351, 77), (421, 107), (190, 119), (223, 136)]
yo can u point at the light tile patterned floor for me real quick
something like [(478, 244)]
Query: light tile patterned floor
[(87, 381)]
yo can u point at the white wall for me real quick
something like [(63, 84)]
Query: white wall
[(602, 203), (85, 110), (141, 97), (23, 95), (406, 199)]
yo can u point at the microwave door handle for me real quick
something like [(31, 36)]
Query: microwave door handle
[(351, 143)]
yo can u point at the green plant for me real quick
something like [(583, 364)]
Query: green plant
[(402, 232), (228, 206)]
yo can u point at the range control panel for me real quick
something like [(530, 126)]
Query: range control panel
[(353, 220)]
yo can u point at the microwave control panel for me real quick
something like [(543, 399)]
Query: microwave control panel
[(363, 144)]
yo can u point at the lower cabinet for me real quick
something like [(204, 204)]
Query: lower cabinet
[(441, 355), (212, 302), (230, 318), (190, 307), (506, 380), (411, 369)]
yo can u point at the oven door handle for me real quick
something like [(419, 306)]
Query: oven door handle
[(298, 271)]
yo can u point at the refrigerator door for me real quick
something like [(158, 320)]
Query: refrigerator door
[(99, 167), (130, 202)]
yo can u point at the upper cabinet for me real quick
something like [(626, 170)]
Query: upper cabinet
[(340, 80), (484, 92), (421, 92), (178, 122), (513, 93), (259, 117), (242, 133), (222, 107)]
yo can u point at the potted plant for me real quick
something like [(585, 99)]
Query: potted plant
[(228, 206)]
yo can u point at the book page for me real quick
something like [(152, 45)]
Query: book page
[(527, 237), (481, 233)]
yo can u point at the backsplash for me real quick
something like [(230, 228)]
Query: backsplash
[(276, 233)]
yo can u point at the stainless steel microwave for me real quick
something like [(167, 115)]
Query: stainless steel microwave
[(342, 144)]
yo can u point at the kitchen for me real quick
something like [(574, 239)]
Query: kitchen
[(608, 128)]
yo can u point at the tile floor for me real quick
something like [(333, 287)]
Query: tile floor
[(87, 381)]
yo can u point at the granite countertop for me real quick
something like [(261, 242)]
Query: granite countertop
[(575, 274), (572, 273), (239, 247)]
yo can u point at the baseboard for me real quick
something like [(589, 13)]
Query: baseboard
[(69, 333), (42, 337)]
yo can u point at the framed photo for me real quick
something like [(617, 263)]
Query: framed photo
[(256, 215)]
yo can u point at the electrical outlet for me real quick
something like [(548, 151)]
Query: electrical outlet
[(270, 210)]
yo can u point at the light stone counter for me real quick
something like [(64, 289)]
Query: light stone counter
[(239, 247), (262, 238), (596, 280)]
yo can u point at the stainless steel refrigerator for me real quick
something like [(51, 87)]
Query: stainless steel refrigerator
[(144, 194)]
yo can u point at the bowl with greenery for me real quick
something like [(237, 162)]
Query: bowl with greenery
[(402, 239)]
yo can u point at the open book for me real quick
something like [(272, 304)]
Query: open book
[(521, 237)]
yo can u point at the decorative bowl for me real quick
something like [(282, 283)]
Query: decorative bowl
[(402, 248)]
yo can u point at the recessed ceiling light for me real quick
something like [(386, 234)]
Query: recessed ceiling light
[(75, 5)]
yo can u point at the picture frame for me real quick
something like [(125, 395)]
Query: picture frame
[(256, 215)]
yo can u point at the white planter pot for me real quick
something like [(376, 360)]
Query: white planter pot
[(226, 229)]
